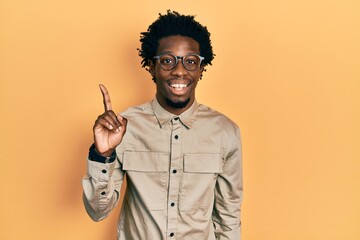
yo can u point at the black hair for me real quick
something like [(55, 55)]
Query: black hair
[(174, 23)]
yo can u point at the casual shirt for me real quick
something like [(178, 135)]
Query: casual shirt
[(184, 176)]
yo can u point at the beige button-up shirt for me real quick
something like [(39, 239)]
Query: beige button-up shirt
[(184, 176)]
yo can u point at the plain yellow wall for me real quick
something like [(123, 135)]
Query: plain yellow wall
[(287, 72)]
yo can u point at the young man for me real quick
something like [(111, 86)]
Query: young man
[(182, 159)]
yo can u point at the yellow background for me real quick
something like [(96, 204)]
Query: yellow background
[(287, 72)]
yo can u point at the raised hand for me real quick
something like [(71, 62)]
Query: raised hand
[(109, 128)]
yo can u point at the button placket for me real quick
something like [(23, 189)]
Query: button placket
[(174, 178)]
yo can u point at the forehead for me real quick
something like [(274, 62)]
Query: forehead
[(178, 45)]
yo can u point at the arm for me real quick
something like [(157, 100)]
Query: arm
[(228, 194), (104, 177)]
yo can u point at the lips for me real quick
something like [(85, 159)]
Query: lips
[(178, 86)]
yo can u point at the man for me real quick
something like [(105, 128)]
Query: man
[(182, 160)]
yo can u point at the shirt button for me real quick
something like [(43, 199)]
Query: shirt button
[(172, 204), (172, 234), (174, 171), (103, 171), (176, 136)]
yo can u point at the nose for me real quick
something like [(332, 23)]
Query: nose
[(179, 69)]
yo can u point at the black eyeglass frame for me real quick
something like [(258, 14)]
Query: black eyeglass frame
[(177, 60)]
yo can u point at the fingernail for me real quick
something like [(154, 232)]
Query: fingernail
[(111, 127)]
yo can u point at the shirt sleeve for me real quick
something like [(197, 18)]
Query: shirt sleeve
[(101, 187), (229, 193)]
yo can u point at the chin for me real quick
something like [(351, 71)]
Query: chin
[(177, 104)]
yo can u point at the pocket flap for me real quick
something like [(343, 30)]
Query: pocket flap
[(203, 163), (146, 161)]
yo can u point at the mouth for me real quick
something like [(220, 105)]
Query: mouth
[(178, 86)]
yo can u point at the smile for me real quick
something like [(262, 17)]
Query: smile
[(178, 86)]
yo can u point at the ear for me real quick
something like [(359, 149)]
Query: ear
[(151, 68), (202, 69)]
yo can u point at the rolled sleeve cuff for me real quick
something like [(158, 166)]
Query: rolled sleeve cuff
[(96, 157)]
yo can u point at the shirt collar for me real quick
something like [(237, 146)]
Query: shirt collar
[(163, 116)]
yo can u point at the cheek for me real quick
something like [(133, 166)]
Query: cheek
[(196, 76), (160, 73)]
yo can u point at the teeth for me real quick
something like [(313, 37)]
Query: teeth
[(178, 86)]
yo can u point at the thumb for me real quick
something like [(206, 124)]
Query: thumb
[(122, 121)]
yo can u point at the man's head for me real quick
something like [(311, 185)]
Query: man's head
[(175, 50), (172, 24)]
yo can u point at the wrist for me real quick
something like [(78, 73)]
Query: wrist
[(106, 157), (108, 153)]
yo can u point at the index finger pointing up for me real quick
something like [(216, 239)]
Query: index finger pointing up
[(106, 97)]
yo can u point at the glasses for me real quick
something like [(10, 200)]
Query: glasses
[(168, 61)]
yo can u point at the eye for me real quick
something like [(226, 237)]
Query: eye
[(192, 60), (167, 60)]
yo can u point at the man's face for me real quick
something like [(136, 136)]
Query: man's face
[(176, 87)]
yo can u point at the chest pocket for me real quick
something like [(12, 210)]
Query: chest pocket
[(146, 174), (198, 182)]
